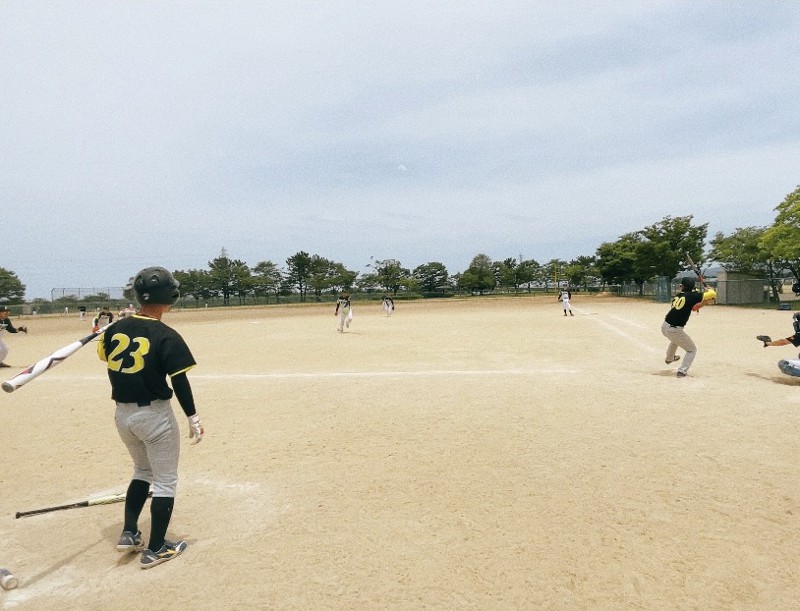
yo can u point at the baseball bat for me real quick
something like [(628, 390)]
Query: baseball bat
[(100, 500), (696, 270), (48, 362)]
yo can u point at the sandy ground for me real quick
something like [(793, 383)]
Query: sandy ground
[(461, 454)]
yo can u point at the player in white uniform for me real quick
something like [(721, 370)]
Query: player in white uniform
[(565, 296), (344, 310)]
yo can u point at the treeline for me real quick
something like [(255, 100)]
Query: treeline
[(658, 250)]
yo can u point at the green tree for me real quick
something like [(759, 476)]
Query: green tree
[(553, 271), (782, 238), (229, 277), (479, 276), (390, 275), (298, 272), (267, 278), (12, 291), (657, 250), (504, 272), (665, 246), (195, 283), (615, 261), (581, 271), (432, 277), (319, 272), (743, 252), (341, 278), (527, 272)]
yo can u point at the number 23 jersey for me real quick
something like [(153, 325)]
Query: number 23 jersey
[(140, 353)]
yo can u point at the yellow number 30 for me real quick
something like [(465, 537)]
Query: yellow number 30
[(123, 342)]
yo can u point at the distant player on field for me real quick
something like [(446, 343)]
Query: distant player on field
[(388, 305), (344, 310), (102, 318), (565, 296)]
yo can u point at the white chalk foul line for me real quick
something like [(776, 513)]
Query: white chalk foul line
[(387, 374), (350, 374), (618, 331), (627, 321)]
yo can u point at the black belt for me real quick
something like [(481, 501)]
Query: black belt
[(676, 326)]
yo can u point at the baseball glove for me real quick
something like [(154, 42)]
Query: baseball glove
[(22, 328), (764, 338)]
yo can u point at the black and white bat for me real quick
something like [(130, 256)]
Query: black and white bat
[(48, 362), (696, 270), (100, 500)]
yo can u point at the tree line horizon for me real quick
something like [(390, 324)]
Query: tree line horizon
[(658, 250)]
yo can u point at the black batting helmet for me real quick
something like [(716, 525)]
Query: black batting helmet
[(156, 285), (688, 283)]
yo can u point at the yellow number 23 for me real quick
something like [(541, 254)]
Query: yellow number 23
[(120, 351)]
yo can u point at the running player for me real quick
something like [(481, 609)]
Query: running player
[(141, 352), (344, 310), (683, 303), (388, 305)]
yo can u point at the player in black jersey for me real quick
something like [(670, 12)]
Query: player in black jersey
[(686, 301), (7, 325), (141, 352)]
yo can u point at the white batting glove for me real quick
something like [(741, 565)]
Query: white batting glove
[(196, 429)]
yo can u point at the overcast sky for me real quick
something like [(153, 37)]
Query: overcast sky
[(158, 133)]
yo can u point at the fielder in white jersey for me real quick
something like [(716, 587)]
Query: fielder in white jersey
[(344, 310), (564, 296)]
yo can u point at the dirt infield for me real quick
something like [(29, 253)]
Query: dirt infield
[(462, 454)]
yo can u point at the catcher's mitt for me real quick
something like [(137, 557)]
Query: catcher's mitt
[(22, 328), (764, 338)]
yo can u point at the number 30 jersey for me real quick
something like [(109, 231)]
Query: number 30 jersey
[(141, 352)]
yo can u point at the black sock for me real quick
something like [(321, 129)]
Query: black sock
[(135, 499), (160, 514)]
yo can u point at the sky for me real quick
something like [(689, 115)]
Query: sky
[(138, 133)]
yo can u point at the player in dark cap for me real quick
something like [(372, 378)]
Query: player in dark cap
[(672, 328), (141, 353)]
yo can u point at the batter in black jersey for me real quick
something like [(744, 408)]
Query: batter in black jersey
[(141, 353), (686, 301)]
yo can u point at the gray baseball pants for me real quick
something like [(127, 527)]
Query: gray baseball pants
[(678, 338), (153, 439)]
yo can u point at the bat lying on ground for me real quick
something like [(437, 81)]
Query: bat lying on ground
[(48, 362), (100, 500)]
